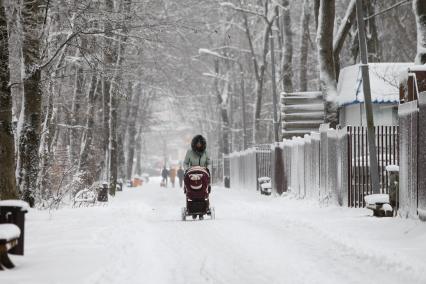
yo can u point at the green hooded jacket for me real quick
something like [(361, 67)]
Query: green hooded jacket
[(197, 157), (193, 158)]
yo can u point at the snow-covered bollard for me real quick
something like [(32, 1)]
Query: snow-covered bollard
[(393, 171), (379, 203)]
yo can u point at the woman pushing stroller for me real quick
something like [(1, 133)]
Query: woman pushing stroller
[(197, 180)]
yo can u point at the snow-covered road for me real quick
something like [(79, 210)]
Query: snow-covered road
[(139, 238)]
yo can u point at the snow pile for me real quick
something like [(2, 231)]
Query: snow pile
[(9, 232), (264, 179), (377, 198), (15, 203), (384, 83), (392, 168)]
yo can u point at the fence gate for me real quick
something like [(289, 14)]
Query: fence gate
[(263, 161), (358, 160)]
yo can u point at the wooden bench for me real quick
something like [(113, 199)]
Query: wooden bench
[(9, 235)]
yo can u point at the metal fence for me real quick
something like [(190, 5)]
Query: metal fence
[(333, 165), (358, 159), (217, 170), (247, 166)]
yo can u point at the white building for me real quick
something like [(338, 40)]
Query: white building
[(384, 81)]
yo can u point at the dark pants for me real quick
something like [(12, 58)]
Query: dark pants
[(180, 182)]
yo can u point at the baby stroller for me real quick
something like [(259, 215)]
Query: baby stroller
[(197, 190)]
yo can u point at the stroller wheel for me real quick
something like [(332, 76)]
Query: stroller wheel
[(183, 214), (194, 217)]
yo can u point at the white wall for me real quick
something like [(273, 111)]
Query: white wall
[(354, 114)]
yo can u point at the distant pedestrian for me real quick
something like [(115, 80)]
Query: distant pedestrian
[(172, 175), (180, 175), (164, 175)]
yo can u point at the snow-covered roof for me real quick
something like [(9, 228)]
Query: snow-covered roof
[(384, 81)]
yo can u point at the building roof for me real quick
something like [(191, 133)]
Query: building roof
[(384, 81)]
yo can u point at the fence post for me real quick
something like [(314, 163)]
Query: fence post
[(342, 164), (323, 160), (408, 116), (421, 157), (332, 190), (308, 166)]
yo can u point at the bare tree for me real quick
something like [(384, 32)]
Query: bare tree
[(259, 66)]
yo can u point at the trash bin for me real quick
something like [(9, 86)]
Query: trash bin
[(13, 212), (227, 182), (103, 193)]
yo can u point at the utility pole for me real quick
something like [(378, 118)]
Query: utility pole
[(374, 173)]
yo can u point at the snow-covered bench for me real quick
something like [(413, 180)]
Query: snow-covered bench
[(9, 235)]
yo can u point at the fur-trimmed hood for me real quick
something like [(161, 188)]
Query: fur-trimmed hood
[(195, 140)]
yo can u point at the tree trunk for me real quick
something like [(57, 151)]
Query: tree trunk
[(7, 142), (259, 86), (304, 47), (114, 101), (316, 12), (326, 60), (32, 23), (134, 110), (138, 146), (287, 67), (87, 175), (419, 7), (75, 135)]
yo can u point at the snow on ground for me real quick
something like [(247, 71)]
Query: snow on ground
[(139, 238)]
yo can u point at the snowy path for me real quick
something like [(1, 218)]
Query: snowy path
[(139, 238)]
